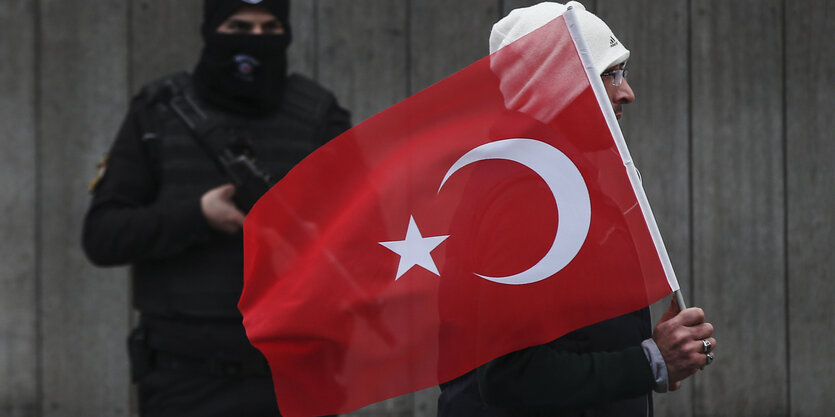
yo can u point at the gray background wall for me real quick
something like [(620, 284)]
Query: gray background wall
[(732, 130)]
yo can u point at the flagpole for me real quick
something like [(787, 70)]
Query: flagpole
[(617, 135), (680, 299)]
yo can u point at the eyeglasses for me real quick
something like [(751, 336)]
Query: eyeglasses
[(618, 74)]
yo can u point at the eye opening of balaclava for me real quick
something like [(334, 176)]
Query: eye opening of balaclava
[(242, 73)]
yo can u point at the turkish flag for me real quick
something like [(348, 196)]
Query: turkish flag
[(493, 211)]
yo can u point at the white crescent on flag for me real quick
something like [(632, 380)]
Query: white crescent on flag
[(569, 190)]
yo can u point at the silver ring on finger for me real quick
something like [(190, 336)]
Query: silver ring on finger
[(708, 360), (707, 347)]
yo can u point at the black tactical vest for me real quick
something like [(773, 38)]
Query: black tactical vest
[(205, 281)]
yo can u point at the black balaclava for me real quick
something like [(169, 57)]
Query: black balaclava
[(242, 73)]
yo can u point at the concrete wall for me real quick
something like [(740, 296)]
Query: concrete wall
[(731, 130)]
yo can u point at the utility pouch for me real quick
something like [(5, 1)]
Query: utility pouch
[(141, 355)]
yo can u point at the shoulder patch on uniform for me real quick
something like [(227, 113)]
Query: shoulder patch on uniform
[(101, 167)]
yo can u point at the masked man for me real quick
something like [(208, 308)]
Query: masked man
[(193, 154)]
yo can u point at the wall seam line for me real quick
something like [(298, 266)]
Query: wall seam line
[(409, 50), (38, 206), (130, 73), (316, 5), (785, 177), (691, 177)]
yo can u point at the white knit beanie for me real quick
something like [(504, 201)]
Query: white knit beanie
[(606, 49)]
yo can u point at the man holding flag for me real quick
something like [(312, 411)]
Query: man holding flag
[(606, 369), (477, 222)]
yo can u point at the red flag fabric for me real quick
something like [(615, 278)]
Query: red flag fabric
[(490, 212)]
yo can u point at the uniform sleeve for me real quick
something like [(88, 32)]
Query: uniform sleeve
[(541, 378), (125, 223)]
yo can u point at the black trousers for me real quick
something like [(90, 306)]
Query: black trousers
[(173, 393)]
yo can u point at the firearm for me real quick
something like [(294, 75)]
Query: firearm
[(250, 181), (234, 158)]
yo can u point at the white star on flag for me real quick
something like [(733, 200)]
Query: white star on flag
[(415, 250)]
